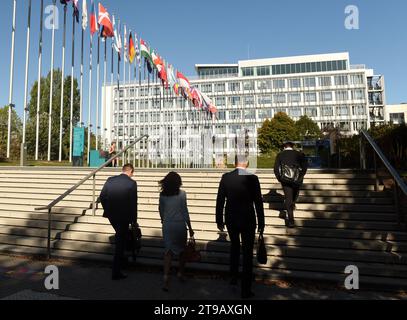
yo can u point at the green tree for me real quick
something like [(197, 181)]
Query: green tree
[(16, 133), (44, 116), (307, 128), (274, 132)]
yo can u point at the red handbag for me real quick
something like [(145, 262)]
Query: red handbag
[(191, 254)]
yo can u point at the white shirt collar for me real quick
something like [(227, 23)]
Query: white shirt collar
[(289, 148), (240, 168)]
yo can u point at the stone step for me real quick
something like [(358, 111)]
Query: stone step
[(93, 225), (342, 258), (213, 241), (193, 192), (153, 198)]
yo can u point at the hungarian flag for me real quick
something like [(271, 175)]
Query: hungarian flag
[(132, 49), (145, 51), (93, 21), (183, 81), (105, 22), (84, 15)]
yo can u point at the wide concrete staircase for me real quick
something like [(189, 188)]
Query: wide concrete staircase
[(340, 221)]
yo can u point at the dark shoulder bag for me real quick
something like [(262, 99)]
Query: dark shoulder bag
[(290, 174)]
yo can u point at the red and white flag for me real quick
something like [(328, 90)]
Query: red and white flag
[(104, 20)]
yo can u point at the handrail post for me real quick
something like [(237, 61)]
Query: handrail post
[(148, 153), (93, 196), (376, 186), (362, 154), (396, 202), (49, 235)]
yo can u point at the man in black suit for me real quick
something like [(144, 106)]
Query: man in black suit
[(241, 191), (119, 201), (290, 157)]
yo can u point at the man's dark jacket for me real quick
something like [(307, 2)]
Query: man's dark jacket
[(242, 193), (291, 158), (119, 199)]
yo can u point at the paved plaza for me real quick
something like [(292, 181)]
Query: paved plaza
[(22, 278)]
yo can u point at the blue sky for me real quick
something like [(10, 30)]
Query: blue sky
[(190, 32)]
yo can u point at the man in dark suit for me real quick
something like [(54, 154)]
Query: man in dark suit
[(119, 201), (290, 157), (241, 191)]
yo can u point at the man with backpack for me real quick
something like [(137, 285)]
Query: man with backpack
[(290, 168)]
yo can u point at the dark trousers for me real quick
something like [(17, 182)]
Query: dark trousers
[(121, 228), (291, 195), (247, 234)]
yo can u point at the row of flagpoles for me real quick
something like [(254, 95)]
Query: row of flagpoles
[(132, 51)]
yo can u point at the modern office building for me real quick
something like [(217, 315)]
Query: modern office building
[(327, 88)]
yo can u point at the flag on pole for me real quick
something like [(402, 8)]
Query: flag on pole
[(125, 44), (117, 38), (138, 54), (105, 22), (197, 99), (76, 10), (207, 102), (132, 49), (93, 21), (183, 81), (145, 51), (84, 15)]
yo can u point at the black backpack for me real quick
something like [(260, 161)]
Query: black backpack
[(290, 174)]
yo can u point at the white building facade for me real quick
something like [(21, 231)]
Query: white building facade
[(326, 88)]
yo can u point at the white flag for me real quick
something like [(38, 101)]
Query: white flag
[(125, 44), (84, 15)]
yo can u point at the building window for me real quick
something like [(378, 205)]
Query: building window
[(235, 115), (234, 86), (310, 97), (397, 118), (263, 71), (326, 96), (234, 101), (327, 111), (358, 94), (359, 110), (220, 87), (220, 101), (279, 84), (357, 79), (342, 111), (248, 100), (265, 114), (341, 80), (266, 99), (295, 83), (248, 85), (360, 125), (280, 98), (294, 97), (221, 115), (311, 112), (325, 81), (341, 95), (248, 72), (278, 110), (310, 82), (206, 88), (264, 85), (250, 114), (294, 112)]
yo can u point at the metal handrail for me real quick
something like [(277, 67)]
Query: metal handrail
[(398, 181), (90, 175), (76, 186)]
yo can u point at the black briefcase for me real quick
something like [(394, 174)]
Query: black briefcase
[(261, 251), (134, 240)]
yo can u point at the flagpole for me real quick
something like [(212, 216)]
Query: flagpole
[(90, 97), (124, 142), (62, 86), (51, 83), (37, 131), (72, 84), (27, 64), (97, 94), (81, 80), (104, 94), (10, 101)]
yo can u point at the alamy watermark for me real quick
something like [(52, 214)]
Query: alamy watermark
[(352, 17), (51, 282), (352, 280), (51, 17)]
